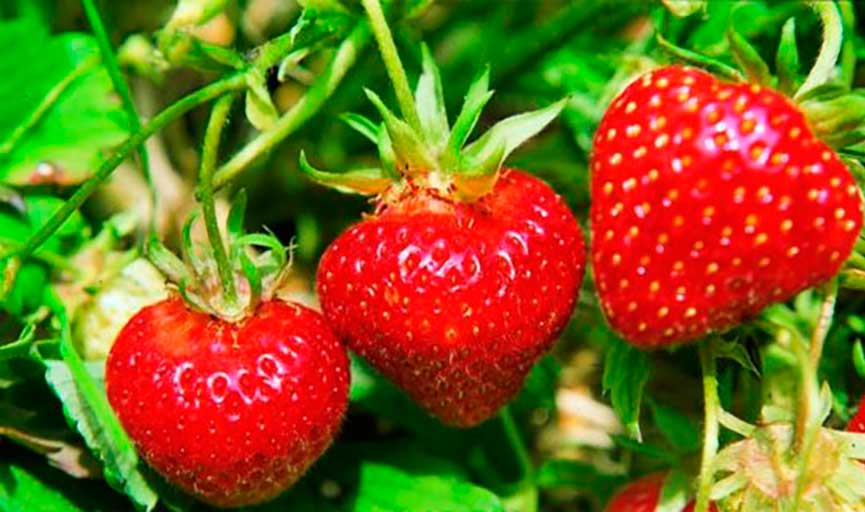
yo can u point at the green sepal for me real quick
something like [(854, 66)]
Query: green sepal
[(260, 109), (411, 153), (387, 155), (509, 134), (362, 125), (697, 59), (748, 58), (787, 59), (839, 121), (370, 181), (475, 101), (685, 8), (236, 215), (479, 176), (167, 262), (189, 250), (429, 98)]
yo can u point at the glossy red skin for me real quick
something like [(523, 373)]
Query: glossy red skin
[(454, 302), (710, 201), (857, 422), (642, 496), (231, 413)]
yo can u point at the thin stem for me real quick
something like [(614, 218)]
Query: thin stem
[(209, 155), (824, 322), (833, 34), (108, 165), (300, 112), (711, 428), (392, 62), (807, 419), (109, 60), (516, 443)]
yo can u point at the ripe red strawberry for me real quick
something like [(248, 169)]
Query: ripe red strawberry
[(467, 272), (711, 200), (453, 301), (642, 496), (233, 413)]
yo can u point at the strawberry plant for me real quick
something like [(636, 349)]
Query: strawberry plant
[(430, 256)]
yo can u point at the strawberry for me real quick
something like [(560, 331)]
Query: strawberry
[(711, 200), (642, 496), (232, 413), (455, 301), (466, 273)]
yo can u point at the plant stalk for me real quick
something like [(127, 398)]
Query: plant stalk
[(516, 443), (109, 60), (307, 106), (108, 165), (711, 428), (209, 156), (392, 63)]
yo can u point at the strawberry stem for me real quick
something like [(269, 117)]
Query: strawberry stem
[(711, 428), (209, 155), (516, 443), (808, 419), (392, 63), (833, 35)]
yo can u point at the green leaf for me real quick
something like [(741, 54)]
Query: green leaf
[(475, 101), (182, 49), (735, 351), (363, 125), (647, 450), (27, 488), (572, 474), (385, 488), (431, 103), (626, 371), (260, 109), (409, 150), (369, 181), (57, 115), (676, 427), (79, 386), (508, 134), (787, 59)]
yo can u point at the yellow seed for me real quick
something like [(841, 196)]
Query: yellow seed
[(630, 107), (792, 251), (761, 239), (654, 286), (711, 268), (690, 312), (786, 225), (616, 159), (663, 311)]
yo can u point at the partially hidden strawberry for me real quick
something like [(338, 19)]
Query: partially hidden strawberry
[(643, 495), (467, 272), (711, 200), (230, 397), (857, 422)]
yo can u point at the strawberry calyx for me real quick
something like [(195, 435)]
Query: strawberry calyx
[(435, 156), (762, 472), (259, 264)]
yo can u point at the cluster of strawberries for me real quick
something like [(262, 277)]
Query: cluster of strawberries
[(710, 200)]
